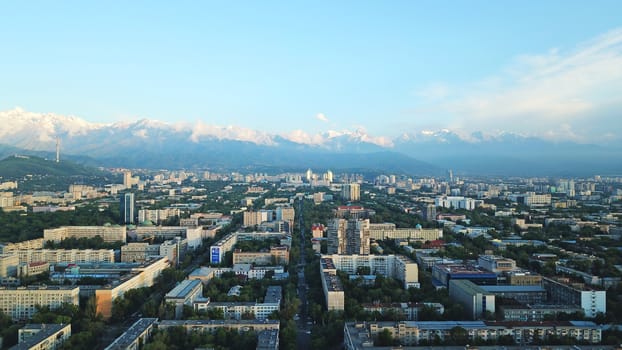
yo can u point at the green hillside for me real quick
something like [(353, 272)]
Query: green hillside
[(15, 167)]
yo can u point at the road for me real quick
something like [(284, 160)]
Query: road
[(303, 321)]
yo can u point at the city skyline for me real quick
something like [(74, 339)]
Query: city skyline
[(549, 70)]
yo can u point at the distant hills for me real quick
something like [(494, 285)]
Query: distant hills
[(19, 166), (152, 144)]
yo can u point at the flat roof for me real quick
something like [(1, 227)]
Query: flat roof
[(46, 330), (514, 289), (183, 289), (129, 336), (444, 324), (333, 283), (468, 286)]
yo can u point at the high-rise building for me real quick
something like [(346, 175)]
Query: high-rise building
[(328, 176), (309, 175), (127, 179), (429, 212), (351, 192), (348, 236), (127, 208)]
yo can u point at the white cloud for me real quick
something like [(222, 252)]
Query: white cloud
[(559, 94), (321, 117)]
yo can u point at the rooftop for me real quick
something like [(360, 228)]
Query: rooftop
[(183, 289), (129, 336), (46, 330), (514, 289)]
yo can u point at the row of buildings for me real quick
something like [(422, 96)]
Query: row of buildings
[(394, 266), (361, 335)]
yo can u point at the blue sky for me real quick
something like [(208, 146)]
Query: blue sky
[(544, 68)]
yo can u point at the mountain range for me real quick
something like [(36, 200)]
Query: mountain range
[(152, 144)]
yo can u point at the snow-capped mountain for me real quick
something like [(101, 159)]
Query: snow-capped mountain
[(150, 143)]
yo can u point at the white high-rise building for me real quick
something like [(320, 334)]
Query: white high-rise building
[(309, 175)]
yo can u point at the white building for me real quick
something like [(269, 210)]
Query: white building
[(457, 202), (20, 303), (185, 293)]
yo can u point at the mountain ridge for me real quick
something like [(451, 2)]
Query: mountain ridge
[(167, 145)]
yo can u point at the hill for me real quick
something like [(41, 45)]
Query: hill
[(18, 166)]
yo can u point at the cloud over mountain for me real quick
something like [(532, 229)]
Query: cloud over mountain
[(150, 143), (561, 95)]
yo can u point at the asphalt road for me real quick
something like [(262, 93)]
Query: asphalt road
[(303, 321)]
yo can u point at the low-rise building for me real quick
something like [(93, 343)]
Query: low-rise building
[(135, 337), (404, 311), (32, 269), (185, 293), (535, 312), (139, 252), (496, 264), (278, 255), (360, 336), (240, 310), (443, 273), (212, 326), (42, 336), (204, 274)]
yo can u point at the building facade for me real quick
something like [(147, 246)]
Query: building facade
[(20, 303)]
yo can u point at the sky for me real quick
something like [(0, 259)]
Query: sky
[(551, 69)]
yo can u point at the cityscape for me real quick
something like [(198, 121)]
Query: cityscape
[(329, 175)]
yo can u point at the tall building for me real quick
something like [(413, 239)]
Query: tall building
[(329, 176), (127, 179), (429, 212), (348, 236), (309, 175), (127, 208), (351, 192)]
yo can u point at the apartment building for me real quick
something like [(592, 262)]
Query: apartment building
[(475, 300), (360, 336), (8, 265), (395, 266), (238, 310), (7, 248), (348, 236), (388, 230), (107, 233), (562, 291), (278, 255), (139, 252), (54, 256), (20, 303), (42, 336), (142, 276)]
